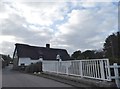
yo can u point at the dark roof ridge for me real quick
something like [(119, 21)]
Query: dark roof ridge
[(38, 46)]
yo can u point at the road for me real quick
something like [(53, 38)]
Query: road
[(12, 78)]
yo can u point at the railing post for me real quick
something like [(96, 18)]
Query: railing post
[(102, 70), (81, 71), (108, 69), (117, 81), (57, 66), (67, 70)]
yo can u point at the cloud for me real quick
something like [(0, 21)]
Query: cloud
[(18, 27), (7, 48), (87, 28), (69, 25), (41, 13)]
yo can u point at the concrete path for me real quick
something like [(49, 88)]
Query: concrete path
[(12, 78)]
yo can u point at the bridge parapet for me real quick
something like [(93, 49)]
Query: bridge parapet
[(94, 69)]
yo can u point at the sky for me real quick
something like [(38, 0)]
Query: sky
[(66, 24)]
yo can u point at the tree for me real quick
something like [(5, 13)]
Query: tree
[(88, 54), (111, 47), (99, 54), (7, 59), (118, 37), (76, 54)]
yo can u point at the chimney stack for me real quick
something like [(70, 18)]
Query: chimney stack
[(47, 45)]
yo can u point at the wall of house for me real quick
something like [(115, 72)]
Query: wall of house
[(27, 61)]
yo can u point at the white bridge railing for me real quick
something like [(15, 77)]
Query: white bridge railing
[(93, 68), (116, 73)]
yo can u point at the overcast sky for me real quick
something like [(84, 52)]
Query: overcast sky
[(73, 25)]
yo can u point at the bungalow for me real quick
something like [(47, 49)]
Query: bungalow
[(26, 54)]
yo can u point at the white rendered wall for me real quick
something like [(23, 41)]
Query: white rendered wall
[(27, 61)]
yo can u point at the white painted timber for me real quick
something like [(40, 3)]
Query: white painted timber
[(93, 68)]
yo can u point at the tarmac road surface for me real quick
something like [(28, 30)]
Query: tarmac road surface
[(12, 78)]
